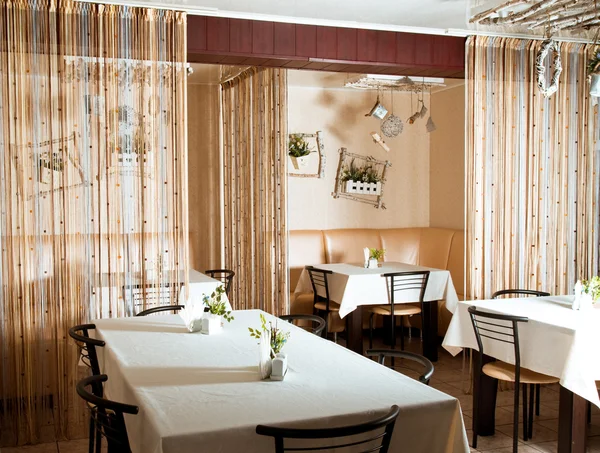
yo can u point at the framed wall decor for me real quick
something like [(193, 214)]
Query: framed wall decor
[(306, 155)]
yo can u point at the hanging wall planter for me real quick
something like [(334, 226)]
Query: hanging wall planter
[(594, 71)]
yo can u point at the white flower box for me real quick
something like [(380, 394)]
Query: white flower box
[(211, 324), (364, 188)]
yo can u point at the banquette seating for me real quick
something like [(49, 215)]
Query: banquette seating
[(430, 247)]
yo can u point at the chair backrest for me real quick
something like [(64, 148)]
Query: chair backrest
[(87, 346), (407, 281), (223, 275), (141, 297), (370, 428), (107, 415), (519, 292), (318, 322), (383, 353), (318, 279), (150, 311), (497, 327)]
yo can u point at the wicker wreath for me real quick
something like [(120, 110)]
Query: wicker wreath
[(547, 46)]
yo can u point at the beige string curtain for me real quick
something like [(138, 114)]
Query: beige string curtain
[(254, 109), (92, 189), (532, 170)]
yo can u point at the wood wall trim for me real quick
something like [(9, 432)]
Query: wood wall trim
[(262, 43)]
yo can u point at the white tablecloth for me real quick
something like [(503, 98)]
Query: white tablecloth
[(352, 285), (111, 291), (202, 394), (557, 340)]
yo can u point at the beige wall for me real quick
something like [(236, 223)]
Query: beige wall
[(204, 176), (340, 114), (447, 155)]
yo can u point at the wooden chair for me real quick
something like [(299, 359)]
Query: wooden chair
[(505, 328), (107, 415), (399, 282), (141, 297), (223, 275), (377, 441), (527, 293), (422, 360), (150, 311), (319, 323), (89, 357), (323, 304)]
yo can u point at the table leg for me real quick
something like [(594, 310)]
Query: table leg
[(485, 391), (572, 422), (354, 332), (430, 330)]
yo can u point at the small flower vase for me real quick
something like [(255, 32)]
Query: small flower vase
[(194, 325), (585, 302), (264, 356), (373, 263), (595, 84), (211, 324)]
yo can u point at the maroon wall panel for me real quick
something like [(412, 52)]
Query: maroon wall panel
[(262, 43)]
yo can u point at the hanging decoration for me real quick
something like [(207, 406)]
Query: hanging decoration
[(430, 126), (392, 126), (549, 45), (378, 110), (594, 63)]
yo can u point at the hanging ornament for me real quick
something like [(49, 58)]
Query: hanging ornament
[(392, 126), (378, 110), (547, 46), (430, 126)]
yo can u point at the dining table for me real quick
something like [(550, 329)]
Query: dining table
[(354, 286), (556, 340), (201, 393), (108, 291)]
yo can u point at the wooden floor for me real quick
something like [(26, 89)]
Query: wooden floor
[(448, 378)]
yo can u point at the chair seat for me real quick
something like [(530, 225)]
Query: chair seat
[(506, 372), (323, 306), (399, 310)]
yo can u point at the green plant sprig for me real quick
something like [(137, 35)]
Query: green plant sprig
[(278, 338), (298, 147), (376, 254), (216, 305), (591, 287), (353, 172)]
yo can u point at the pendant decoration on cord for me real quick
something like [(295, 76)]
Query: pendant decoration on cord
[(392, 126), (549, 45)]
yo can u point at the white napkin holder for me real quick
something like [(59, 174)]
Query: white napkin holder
[(211, 324), (192, 315), (279, 367), (367, 254), (264, 356)]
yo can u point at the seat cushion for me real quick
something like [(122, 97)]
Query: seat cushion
[(332, 306), (305, 248), (346, 246), (399, 310), (506, 372), (401, 244)]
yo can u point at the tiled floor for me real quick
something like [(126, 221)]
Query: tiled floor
[(448, 378)]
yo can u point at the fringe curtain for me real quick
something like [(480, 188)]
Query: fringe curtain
[(532, 170), (254, 108), (93, 158)]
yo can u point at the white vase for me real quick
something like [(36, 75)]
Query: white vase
[(373, 263), (211, 324), (264, 356), (595, 85), (585, 302)]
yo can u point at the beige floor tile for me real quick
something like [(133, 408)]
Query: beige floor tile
[(546, 447), (73, 446), (499, 440), (540, 433), (522, 449)]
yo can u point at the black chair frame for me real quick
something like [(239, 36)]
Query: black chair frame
[(150, 311), (383, 353), (319, 323), (89, 356), (107, 415), (386, 422), (401, 281), (507, 331), (319, 279), (147, 290), (531, 293), (223, 275)]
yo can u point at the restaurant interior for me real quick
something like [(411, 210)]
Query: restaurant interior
[(283, 226)]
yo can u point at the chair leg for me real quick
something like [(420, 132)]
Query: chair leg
[(589, 413), (335, 337), (476, 412), (530, 420), (371, 331), (91, 440), (98, 441), (525, 426), (537, 399), (402, 333), (393, 333), (516, 419)]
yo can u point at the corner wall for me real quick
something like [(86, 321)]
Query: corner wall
[(447, 160)]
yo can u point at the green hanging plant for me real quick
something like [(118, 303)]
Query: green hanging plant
[(298, 147)]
